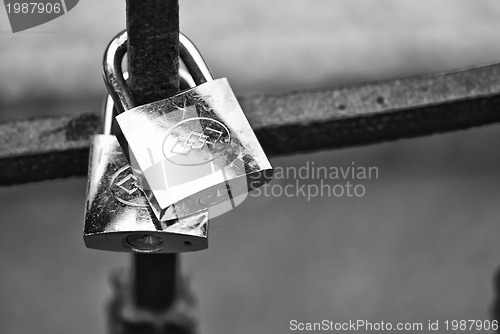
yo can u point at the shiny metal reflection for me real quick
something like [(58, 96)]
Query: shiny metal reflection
[(144, 243), (117, 208), (117, 213), (190, 151)]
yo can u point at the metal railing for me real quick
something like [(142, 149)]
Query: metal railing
[(57, 147)]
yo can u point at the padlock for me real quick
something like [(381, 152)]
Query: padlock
[(195, 149), (117, 214)]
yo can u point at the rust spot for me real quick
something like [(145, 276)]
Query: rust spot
[(81, 127)]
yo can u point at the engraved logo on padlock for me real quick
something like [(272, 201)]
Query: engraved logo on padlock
[(188, 148), (196, 141), (126, 189)]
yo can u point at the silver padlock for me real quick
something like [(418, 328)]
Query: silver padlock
[(195, 149), (117, 214)]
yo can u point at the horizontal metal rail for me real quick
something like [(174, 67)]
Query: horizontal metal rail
[(57, 147)]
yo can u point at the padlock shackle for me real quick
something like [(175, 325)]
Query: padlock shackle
[(193, 60), (113, 74), (108, 114)]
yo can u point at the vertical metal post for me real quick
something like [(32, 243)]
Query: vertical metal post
[(153, 50), (153, 56), (152, 299)]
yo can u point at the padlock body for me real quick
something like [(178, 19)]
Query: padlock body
[(196, 149), (118, 216)]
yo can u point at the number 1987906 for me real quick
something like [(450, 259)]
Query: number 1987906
[(471, 325), (33, 8)]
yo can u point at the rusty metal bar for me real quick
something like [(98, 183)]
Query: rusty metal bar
[(57, 147), (153, 56), (153, 49)]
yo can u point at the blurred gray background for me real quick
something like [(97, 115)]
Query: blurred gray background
[(421, 244)]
